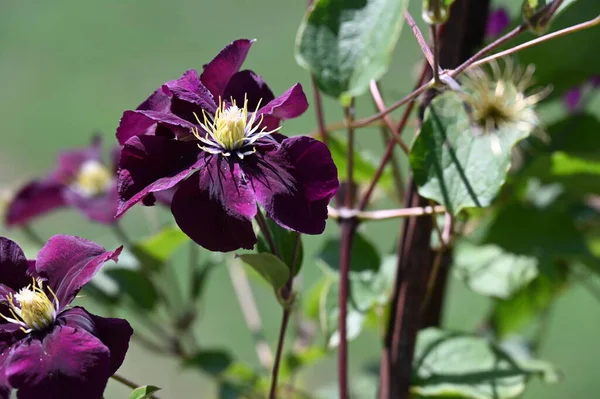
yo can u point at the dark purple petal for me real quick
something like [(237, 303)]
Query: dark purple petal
[(101, 208), (4, 352), (290, 104), (68, 263), (136, 123), (33, 200), (165, 197), (217, 73), (68, 363), (158, 101), (114, 333), (153, 163), (247, 84), (70, 162), (13, 267), (215, 209), (304, 208), (190, 96), (572, 99), (498, 20)]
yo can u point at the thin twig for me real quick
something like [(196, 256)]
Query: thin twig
[(571, 29), (378, 100), (275, 374), (245, 297), (322, 129), (390, 148), (342, 125), (386, 214), (421, 40), (130, 384), (416, 93)]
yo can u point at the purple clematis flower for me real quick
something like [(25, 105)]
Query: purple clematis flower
[(497, 22), (214, 137), (80, 180), (48, 350)]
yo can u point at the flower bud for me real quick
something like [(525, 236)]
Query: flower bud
[(436, 11), (537, 14)]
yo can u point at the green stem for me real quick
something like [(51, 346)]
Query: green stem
[(130, 384)]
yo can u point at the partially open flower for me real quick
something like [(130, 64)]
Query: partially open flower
[(80, 180), (214, 137), (48, 349), (501, 99)]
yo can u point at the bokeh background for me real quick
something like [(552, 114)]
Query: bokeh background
[(70, 68)]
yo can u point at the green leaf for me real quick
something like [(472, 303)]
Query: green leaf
[(346, 43), (143, 392), (453, 163), (212, 361), (363, 255), (509, 315), (136, 286), (364, 164), (458, 365), (285, 241), (491, 271), (295, 361), (578, 175), (270, 267), (153, 252), (331, 315), (576, 134)]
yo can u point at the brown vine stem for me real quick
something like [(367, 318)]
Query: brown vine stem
[(245, 297), (436, 54), (386, 214), (571, 29)]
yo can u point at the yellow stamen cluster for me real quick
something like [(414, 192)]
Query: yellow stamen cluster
[(31, 308), (93, 179), (230, 129)]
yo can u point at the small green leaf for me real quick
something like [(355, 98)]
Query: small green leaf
[(346, 43), (509, 315), (285, 241), (456, 165), (211, 361), (491, 271), (295, 361), (143, 392), (457, 365), (134, 285), (270, 267), (153, 252)]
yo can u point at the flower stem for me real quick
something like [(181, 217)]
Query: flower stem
[(348, 228), (32, 235), (128, 383), (264, 227), (282, 330), (322, 129), (349, 117), (436, 54), (245, 297), (378, 100)]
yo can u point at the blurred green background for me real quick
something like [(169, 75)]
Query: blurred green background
[(70, 68)]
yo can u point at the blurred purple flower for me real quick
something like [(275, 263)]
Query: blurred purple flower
[(80, 180), (497, 22), (220, 127), (47, 349), (572, 98)]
